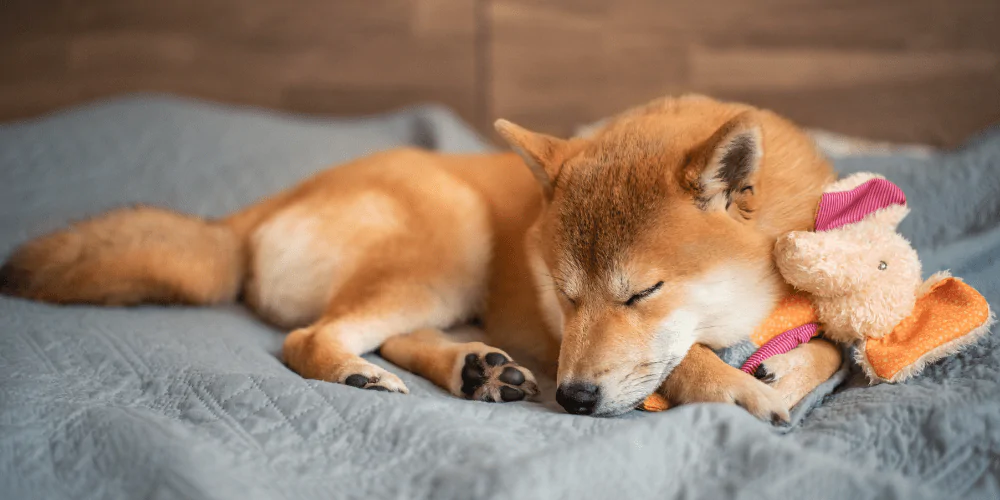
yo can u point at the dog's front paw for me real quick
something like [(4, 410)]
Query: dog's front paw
[(798, 372), (490, 375), (703, 378), (761, 400), (738, 388)]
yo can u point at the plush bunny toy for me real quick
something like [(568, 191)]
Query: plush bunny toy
[(864, 281), (858, 283)]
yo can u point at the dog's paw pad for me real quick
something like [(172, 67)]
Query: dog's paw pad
[(494, 377), (473, 374), (373, 378), (765, 375), (512, 376), (495, 359), (357, 380), (511, 394)]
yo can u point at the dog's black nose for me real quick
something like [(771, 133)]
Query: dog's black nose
[(578, 398)]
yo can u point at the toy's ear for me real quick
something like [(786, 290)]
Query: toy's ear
[(727, 165), (855, 198), (889, 217), (851, 181), (543, 154)]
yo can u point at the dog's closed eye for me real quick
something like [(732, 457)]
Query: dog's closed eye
[(643, 294), (566, 296)]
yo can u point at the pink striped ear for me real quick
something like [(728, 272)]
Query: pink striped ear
[(847, 207)]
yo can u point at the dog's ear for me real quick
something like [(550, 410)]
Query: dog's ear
[(543, 154), (724, 169)]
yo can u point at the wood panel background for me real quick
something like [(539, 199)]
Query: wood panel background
[(316, 56), (902, 70)]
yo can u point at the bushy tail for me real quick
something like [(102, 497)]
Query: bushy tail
[(130, 256)]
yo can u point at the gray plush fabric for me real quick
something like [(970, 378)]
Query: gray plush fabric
[(186, 403)]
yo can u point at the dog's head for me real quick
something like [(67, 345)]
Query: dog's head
[(656, 233)]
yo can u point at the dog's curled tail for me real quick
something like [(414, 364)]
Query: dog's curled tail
[(130, 256)]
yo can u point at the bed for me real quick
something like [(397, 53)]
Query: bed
[(173, 402)]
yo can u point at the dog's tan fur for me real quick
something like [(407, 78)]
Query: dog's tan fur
[(387, 251), (796, 373)]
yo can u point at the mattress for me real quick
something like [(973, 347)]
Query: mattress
[(194, 403)]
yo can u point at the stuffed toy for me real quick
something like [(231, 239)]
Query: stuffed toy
[(858, 283), (864, 281)]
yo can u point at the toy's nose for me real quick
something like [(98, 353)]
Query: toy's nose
[(578, 398)]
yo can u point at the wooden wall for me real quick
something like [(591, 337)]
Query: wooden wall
[(318, 56), (903, 70)]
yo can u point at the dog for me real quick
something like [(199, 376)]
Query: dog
[(615, 262)]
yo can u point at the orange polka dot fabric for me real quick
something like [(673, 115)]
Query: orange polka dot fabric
[(655, 402), (793, 311), (949, 311)]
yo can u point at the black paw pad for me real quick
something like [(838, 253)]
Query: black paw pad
[(356, 380), (495, 359), (762, 374), (473, 374), (511, 394), (512, 376)]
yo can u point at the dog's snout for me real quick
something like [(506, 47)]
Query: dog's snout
[(578, 398)]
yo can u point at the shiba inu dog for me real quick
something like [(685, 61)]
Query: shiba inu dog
[(612, 261)]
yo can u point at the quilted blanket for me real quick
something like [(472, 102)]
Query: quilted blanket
[(172, 402)]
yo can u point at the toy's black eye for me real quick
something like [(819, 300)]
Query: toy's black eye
[(882, 265), (643, 294)]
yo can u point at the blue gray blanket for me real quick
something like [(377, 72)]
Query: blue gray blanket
[(186, 403)]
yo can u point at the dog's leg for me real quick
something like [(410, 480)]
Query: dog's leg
[(471, 370), (329, 351), (702, 377), (797, 372), (360, 317)]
